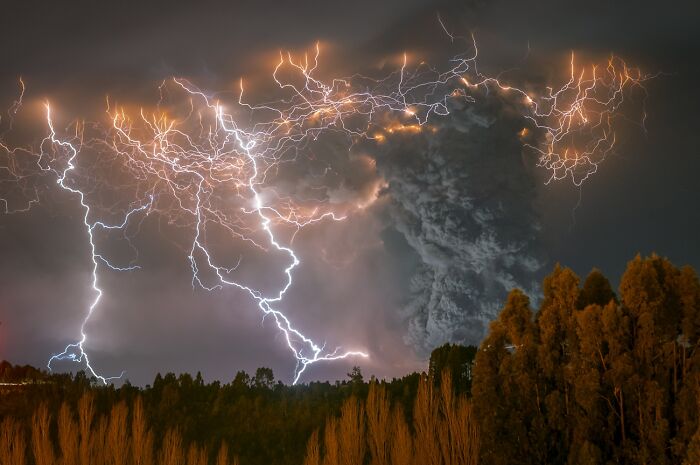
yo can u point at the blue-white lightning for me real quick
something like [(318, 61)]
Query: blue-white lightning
[(76, 352)]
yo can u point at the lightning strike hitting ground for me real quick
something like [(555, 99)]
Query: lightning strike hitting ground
[(202, 166)]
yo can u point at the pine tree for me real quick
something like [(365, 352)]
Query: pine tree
[(558, 341)]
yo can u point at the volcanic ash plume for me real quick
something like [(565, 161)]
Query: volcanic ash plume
[(461, 195)]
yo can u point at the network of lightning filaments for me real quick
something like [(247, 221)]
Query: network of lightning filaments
[(201, 165)]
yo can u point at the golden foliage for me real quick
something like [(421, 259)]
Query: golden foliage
[(12, 442), (401, 441), (41, 437), (331, 444), (141, 436), (86, 413), (443, 430), (313, 453), (378, 423), (121, 438), (117, 442), (67, 436), (351, 429)]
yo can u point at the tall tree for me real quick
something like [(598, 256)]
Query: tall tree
[(558, 341), (507, 403)]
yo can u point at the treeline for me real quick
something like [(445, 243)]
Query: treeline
[(589, 377), (260, 421)]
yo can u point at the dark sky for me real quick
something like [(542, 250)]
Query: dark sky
[(374, 282)]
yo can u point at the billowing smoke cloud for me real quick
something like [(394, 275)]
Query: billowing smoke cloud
[(462, 195)]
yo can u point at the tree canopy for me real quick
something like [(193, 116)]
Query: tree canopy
[(590, 379)]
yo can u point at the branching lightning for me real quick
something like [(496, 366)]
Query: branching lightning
[(76, 352), (206, 167)]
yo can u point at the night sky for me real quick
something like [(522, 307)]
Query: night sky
[(395, 279)]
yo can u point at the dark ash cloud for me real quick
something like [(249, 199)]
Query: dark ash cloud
[(462, 197)]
